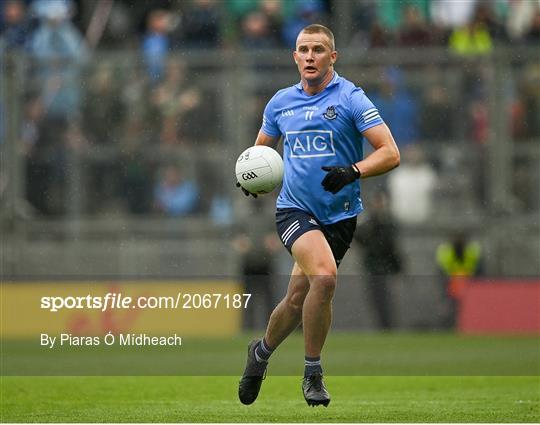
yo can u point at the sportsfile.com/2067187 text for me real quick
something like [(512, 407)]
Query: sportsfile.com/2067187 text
[(182, 300)]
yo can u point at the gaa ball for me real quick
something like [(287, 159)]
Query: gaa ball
[(259, 169)]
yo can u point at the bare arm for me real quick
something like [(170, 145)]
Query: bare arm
[(264, 139), (386, 154)]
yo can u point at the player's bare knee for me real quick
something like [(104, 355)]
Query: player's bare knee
[(326, 272), (324, 285), (325, 281)]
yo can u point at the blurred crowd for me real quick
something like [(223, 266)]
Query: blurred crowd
[(113, 111), (160, 26)]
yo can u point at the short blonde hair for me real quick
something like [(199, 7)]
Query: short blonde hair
[(318, 28)]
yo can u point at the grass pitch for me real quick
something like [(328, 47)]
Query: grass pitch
[(213, 399), (450, 389)]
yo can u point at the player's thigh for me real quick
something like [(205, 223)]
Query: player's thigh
[(313, 254), (339, 236)]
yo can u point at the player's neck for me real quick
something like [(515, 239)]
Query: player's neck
[(314, 88)]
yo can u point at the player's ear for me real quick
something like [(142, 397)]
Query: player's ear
[(333, 57), (294, 57)]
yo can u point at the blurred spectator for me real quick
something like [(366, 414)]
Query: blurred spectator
[(474, 38), (306, 12), (15, 27), (532, 36), (526, 128), (221, 210), (437, 114), (479, 121), (525, 178), (136, 177), (413, 31), (51, 130), (526, 106), (76, 140), (364, 19), (518, 118), (474, 94), (120, 32), (391, 13), (457, 259), (239, 8), (257, 245), (201, 24), (156, 43), (37, 172), (272, 10), (215, 196), (485, 15), (364, 13), (397, 107), (173, 194), (379, 36), (256, 32), (174, 99), (411, 186), (450, 14), (59, 50), (44, 142), (261, 25), (102, 107), (32, 120), (378, 238), (134, 94), (521, 17), (103, 114)]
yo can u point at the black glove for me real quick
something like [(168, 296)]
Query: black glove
[(246, 192), (338, 177)]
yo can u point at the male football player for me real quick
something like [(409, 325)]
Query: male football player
[(323, 120)]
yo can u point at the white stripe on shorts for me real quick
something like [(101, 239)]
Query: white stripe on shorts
[(291, 232), (288, 228)]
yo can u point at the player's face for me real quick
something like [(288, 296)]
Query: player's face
[(314, 57)]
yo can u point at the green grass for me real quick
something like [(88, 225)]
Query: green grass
[(358, 354), (213, 399), (396, 377)]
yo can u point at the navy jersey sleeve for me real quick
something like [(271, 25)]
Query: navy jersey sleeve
[(364, 113), (269, 124)]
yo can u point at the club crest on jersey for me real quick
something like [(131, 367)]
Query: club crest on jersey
[(330, 113)]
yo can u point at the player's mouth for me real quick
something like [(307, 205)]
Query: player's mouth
[(310, 69)]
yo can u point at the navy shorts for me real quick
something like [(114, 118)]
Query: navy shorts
[(292, 223)]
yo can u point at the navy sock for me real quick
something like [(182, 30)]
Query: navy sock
[(312, 365), (263, 351)]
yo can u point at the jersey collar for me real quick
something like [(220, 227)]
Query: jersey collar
[(335, 80)]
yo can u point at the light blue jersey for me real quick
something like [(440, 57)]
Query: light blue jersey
[(319, 130)]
